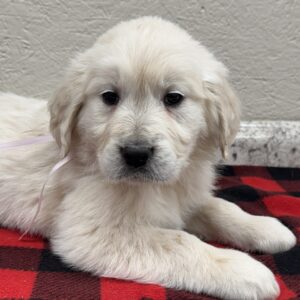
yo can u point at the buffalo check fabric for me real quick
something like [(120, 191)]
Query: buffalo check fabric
[(28, 269)]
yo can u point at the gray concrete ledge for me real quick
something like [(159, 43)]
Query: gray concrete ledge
[(267, 143)]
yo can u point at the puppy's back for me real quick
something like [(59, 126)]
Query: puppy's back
[(22, 117)]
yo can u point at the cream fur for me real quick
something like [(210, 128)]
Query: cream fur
[(106, 223)]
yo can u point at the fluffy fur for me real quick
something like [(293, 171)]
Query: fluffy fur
[(102, 217)]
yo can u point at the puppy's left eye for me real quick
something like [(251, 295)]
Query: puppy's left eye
[(173, 99)]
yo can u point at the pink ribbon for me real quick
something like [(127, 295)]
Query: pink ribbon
[(57, 166), (41, 196)]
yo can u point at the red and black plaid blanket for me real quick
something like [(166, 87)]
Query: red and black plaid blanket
[(28, 269)]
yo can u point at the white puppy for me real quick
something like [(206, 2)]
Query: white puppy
[(141, 114)]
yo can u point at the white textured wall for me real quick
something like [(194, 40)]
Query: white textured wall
[(257, 40)]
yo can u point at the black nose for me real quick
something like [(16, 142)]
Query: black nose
[(136, 155)]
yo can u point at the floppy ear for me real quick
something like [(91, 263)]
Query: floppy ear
[(63, 113), (223, 113), (64, 108)]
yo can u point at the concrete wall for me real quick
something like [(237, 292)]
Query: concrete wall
[(258, 40)]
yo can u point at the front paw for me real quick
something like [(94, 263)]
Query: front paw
[(268, 235), (245, 278)]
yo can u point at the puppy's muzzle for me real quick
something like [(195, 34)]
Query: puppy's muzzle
[(136, 155)]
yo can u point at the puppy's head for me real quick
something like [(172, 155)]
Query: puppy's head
[(143, 103)]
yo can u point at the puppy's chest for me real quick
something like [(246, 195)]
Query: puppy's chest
[(161, 210)]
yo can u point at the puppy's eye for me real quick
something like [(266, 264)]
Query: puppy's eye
[(110, 98), (173, 99)]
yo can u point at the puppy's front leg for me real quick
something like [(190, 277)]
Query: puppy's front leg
[(223, 221), (171, 258)]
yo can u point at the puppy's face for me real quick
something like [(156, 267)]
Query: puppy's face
[(143, 102), (143, 117)]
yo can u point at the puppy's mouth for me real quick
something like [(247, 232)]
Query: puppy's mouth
[(139, 175)]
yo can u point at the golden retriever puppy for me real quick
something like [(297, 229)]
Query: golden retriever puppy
[(141, 114)]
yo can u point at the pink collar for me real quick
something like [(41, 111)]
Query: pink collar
[(27, 141)]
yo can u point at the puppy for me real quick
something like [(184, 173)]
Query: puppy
[(141, 114)]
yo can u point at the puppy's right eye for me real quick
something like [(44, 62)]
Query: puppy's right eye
[(110, 98)]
